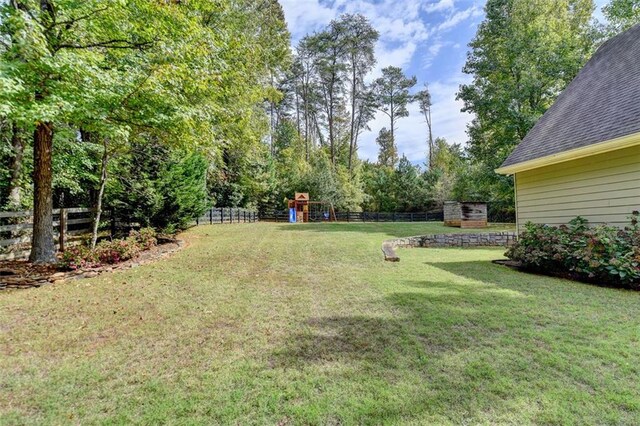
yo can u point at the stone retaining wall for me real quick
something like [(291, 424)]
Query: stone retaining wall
[(488, 239)]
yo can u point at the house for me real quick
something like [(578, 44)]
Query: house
[(582, 158)]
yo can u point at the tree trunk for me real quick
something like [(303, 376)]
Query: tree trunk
[(430, 139), (17, 145), (103, 181), (42, 245), (393, 122), (354, 82), (306, 117), (297, 109)]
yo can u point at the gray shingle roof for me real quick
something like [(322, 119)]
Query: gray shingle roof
[(600, 104)]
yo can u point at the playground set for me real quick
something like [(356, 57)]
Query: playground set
[(302, 209)]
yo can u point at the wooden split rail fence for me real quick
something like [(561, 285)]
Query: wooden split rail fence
[(72, 225), (69, 226)]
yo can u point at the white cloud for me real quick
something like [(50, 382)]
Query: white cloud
[(438, 6), (404, 35), (411, 134), (398, 57), (306, 16), (459, 16)]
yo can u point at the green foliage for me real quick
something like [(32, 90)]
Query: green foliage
[(75, 167), (524, 53), (621, 15), (184, 192), (378, 188), (387, 153), (158, 187), (403, 189), (447, 168), (186, 78), (602, 254), (392, 94), (409, 187)]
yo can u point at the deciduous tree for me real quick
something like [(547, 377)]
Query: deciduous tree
[(524, 53)]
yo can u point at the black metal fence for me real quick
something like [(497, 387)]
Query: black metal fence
[(497, 212), (227, 215), (283, 216)]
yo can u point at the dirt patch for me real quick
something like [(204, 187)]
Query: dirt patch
[(20, 274)]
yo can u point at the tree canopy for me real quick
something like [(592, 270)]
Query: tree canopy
[(156, 110)]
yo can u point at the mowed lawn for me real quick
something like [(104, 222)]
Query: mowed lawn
[(306, 324)]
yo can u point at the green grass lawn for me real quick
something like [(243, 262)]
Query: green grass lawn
[(306, 324)]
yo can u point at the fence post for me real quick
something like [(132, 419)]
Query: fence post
[(394, 216), (377, 216), (230, 215), (348, 214), (238, 212), (426, 216), (211, 216), (411, 217), (63, 228)]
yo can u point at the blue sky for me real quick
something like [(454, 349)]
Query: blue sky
[(427, 38)]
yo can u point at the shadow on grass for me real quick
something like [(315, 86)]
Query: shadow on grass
[(385, 229), (436, 348), (529, 283), (466, 347)]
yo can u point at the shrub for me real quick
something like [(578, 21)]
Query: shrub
[(78, 257), (116, 251), (601, 254), (145, 237), (109, 251)]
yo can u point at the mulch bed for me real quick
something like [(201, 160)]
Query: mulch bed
[(20, 274)]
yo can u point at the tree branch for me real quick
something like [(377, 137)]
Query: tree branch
[(109, 44), (69, 23)]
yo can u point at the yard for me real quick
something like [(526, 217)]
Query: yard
[(306, 324)]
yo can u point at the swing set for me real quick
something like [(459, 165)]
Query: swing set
[(303, 210)]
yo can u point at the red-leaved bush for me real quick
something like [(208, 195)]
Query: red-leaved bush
[(109, 251)]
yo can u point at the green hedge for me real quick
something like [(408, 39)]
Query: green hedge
[(601, 254)]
